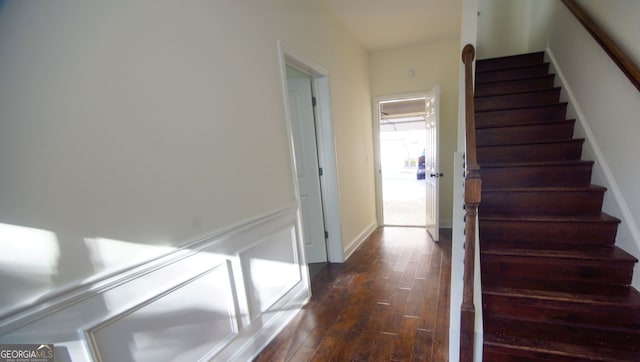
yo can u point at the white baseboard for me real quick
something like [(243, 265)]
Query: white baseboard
[(353, 245)]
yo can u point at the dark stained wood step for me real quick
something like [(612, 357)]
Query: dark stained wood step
[(555, 287), (520, 72), (536, 174), (575, 288), (611, 312), (543, 200), (509, 61), (584, 229), (521, 116), (515, 86), (517, 100), (578, 265), (507, 328), (514, 349), (525, 133), (570, 149)]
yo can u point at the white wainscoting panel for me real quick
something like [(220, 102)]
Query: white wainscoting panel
[(220, 298), (271, 270), (184, 324)]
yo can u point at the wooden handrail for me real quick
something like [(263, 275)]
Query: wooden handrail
[(624, 62), (472, 190)]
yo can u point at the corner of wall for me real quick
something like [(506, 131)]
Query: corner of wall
[(358, 240)]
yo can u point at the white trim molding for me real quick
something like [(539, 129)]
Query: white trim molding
[(326, 145)]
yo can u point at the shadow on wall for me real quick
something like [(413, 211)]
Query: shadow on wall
[(34, 264)]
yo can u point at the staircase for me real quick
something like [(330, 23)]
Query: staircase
[(555, 288)]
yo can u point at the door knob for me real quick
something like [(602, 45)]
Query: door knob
[(437, 174)]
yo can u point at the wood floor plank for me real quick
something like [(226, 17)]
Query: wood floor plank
[(422, 345), (406, 337), (441, 332), (388, 302)]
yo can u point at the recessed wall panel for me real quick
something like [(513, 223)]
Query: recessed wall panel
[(185, 323), (270, 269)]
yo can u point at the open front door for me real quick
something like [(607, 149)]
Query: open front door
[(432, 170)]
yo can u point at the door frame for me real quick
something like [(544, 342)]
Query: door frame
[(325, 142), (376, 145)]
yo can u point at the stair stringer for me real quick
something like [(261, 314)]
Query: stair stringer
[(628, 236)]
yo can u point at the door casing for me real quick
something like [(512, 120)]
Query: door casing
[(326, 145), (302, 114)]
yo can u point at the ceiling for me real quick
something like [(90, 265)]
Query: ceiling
[(386, 24)]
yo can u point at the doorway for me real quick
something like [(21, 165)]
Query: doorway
[(318, 78), (303, 126), (407, 160)]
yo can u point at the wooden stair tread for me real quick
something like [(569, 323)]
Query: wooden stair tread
[(596, 188), (517, 59), (539, 142), (546, 76), (586, 253), (525, 92), (522, 99), (536, 163), (515, 67), (575, 288), (533, 123), (589, 218), (557, 104), (565, 333), (560, 350), (631, 300), (509, 86)]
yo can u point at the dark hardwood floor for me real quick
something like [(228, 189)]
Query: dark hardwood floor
[(388, 302)]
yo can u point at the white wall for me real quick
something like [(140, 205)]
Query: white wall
[(619, 19), (501, 28), (158, 123), (507, 27), (608, 106), (433, 64)]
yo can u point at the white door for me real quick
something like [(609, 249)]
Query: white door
[(432, 171), (306, 154)]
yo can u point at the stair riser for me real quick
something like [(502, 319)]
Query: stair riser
[(560, 311), (592, 233), (510, 61), (541, 202), (533, 176), (521, 116), (628, 340), (602, 272), (559, 151), (504, 354), (524, 134), (512, 73), (514, 86), (517, 100)]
